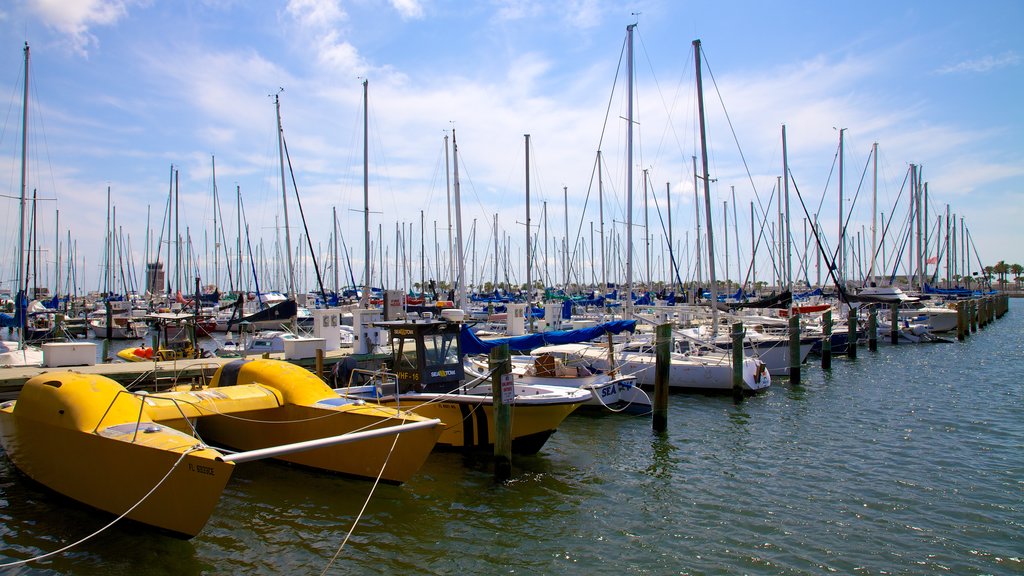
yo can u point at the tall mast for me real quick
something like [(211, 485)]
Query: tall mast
[(736, 225), (216, 237), (284, 199), (647, 234), (672, 272), (448, 180), (788, 232), (600, 202), (177, 235), (874, 211), (461, 268), (841, 264), (529, 275), (629, 179), (364, 300), (238, 244), (497, 258), (22, 289), (565, 259), (696, 215), (423, 256), (707, 190), (725, 230)]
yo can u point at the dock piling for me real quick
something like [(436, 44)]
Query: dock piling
[(873, 329), (826, 342), (502, 394), (662, 358), (894, 324), (851, 334), (794, 348), (737, 361)]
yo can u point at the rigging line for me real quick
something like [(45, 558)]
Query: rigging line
[(817, 238), (888, 222), (664, 231), (302, 215), (611, 95), (732, 129), (362, 510)]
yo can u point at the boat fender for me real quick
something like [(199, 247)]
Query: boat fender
[(759, 373)]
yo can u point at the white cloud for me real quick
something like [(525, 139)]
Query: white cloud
[(583, 13), (983, 64), (408, 9), (320, 21), (317, 14), (74, 18)]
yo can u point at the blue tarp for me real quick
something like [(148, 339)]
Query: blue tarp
[(471, 344), (928, 289), (802, 295)]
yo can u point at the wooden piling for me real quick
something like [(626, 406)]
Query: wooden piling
[(826, 342), (663, 359), (794, 348), (502, 394), (959, 307), (320, 363), (894, 324), (972, 314), (873, 328), (737, 361), (851, 334)]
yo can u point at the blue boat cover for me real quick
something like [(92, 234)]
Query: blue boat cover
[(471, 344)]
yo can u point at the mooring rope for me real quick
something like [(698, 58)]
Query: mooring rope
[(362, 510)]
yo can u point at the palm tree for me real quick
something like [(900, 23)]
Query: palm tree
[(1001, 269), (1016, 270)]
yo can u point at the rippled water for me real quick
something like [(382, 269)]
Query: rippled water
[(909, 460)]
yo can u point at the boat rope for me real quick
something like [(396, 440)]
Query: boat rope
[(181, 459), (362, 510)]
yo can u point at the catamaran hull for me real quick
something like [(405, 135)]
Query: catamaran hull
[(273, 403), (69, 447)]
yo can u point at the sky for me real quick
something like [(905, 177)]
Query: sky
[(122, 91)]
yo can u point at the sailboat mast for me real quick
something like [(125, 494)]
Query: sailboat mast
[(600, 203), (874, 211), (23, 280), (529, 275), (448, 185), (629, 178), (364, 299), (841, 242), (284, 199), (707, 190), (565, 259), (787, 237), (458, 229), (216, 237)]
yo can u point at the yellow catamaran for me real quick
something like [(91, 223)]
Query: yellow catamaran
[(136, 454)]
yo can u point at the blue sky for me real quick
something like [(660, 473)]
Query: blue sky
[(122, 90)]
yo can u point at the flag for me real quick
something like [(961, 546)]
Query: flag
[(932, 260)]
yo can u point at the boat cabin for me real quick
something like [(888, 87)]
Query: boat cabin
[(426, 355)]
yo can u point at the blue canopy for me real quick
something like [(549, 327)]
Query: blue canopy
[(471, 344)]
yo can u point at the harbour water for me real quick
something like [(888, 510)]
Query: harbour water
[(908, 460)]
